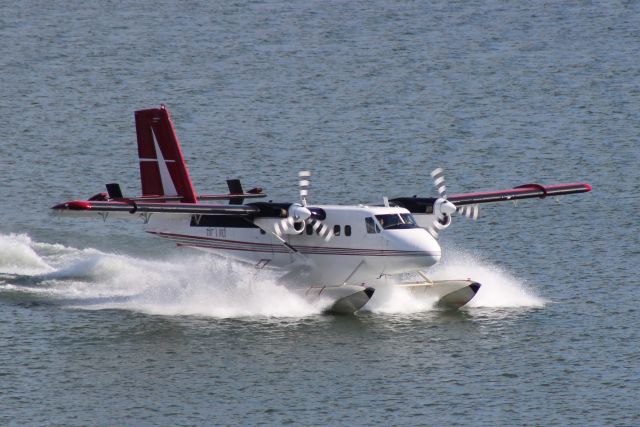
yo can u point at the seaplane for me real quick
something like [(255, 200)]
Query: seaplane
[(340, 254)]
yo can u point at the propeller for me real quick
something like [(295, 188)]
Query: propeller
[(443, 208), (471, 211), (299, 215), (303, 185)]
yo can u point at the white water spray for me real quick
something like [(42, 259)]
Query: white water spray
[(17, 256), (499, 287), (203, 285), (185, 284)]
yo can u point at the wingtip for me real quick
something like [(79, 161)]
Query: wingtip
[(76, 205)]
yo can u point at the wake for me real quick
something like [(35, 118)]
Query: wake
[(184, 284), (193, 284)]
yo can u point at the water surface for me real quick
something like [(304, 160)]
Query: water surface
[(102, 325)]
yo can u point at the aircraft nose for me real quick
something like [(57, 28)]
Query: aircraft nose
[(417, 250), (432, 250)]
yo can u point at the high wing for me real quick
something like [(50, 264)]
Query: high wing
[(80, 207), (422, 205), (434, 214), (527, 191)]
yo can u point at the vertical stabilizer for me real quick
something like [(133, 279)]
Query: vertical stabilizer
[(162, 168)]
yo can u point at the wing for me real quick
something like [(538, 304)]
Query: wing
[(131, 207), (114, 203), (425, 205), (527, 191)]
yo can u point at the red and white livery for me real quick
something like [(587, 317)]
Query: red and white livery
[(341, 253)]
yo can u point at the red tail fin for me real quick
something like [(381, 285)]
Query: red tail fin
[(162, 168)]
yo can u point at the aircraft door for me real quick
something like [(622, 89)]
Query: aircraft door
[(374, 245)]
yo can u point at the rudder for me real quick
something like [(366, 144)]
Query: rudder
[(163, 171)]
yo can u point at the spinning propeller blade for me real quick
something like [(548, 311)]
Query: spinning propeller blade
[(438, 182), (304, 186), (322, 230), (435, 227), (471, 211)]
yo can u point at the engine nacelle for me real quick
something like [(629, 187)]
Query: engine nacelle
[(443, 209), (296, 216), (295, 228), (298, 213), (444, 220), (292, 220), (439, 210)]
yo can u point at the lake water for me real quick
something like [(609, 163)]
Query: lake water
[(101, 324)]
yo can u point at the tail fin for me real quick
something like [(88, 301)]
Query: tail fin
[(162, 168)]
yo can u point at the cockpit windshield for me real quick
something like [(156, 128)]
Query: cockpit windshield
[(396, 221)]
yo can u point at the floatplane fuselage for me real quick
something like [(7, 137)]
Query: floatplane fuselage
[(340, 253), (360, 249)]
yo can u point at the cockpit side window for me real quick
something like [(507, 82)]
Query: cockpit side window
[(371, 226), (396, 221), (408, 219)]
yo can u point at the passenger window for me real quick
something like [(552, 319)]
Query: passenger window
[(371, 227), (336, 230), (347, 230)]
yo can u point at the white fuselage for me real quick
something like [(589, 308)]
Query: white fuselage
[(360, 248)]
